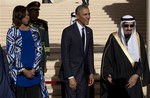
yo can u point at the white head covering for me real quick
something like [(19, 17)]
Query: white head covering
[(73, 18), (132, 44)]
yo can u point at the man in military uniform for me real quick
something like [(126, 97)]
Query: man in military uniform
[(42, 25), (85, 2)]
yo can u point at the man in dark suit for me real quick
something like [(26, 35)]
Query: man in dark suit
[(42, 26), (77, 67)]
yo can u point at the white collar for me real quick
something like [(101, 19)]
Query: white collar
[(79, 25)]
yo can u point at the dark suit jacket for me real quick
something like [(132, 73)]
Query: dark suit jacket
[(76, 62), (5, 79)]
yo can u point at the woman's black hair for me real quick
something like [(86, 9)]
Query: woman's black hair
[(19, 12)]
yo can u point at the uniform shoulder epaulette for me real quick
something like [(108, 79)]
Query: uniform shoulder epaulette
[(43, 20)]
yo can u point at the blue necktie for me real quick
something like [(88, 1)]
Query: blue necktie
[(83, 38)]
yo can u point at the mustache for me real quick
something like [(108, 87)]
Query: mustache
[(128, 30)]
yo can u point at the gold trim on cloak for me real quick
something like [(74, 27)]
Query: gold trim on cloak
[(124, 49)]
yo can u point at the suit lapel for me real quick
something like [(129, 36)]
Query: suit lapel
[(77, 33), (76, 29)]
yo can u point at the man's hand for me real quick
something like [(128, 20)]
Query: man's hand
[(72, 83), (91, 80), (132, 81), (109, 78)]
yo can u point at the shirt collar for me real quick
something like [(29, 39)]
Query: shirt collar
[(79, 25)]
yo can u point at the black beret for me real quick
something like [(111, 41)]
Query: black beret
[(34, 5)]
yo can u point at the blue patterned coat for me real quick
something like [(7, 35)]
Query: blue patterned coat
[(14, 44)]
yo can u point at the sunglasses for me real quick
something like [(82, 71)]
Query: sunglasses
[(126, 25)]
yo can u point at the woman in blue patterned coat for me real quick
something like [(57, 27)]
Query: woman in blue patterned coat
[(24, 51)]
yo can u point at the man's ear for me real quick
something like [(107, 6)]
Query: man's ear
[(77, 17)]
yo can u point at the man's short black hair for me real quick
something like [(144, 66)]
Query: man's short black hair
[(77, 10)]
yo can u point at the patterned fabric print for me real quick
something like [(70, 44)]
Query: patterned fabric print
[(14, 44), (43, 85)]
